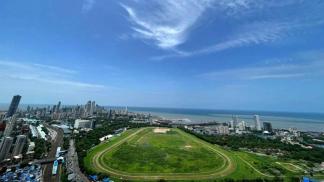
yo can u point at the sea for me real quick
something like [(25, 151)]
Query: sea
[(285, 120)]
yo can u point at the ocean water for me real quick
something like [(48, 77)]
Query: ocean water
[(301, 121)]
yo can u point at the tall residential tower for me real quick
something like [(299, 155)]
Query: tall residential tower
[(257, 122), (14, 105), (19, 145), (5, 147)]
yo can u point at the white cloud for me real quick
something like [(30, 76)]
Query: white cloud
[(43, 74), (169, 23), (55, 68), (58, 82), (251, 34), (300, 68), (87, 5)]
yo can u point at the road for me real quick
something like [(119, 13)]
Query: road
[(56, 142), (73, 164)]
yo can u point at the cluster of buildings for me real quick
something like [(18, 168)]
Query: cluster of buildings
[(214, 129), (235, 126), (13, 140), (17, 134), (59, 112), (288, 136)]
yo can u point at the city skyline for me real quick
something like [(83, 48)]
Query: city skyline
[(237, 54)]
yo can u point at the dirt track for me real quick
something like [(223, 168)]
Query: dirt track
[(227, 167)]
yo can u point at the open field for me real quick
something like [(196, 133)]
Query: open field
[(291, 167), (143, 154), (156, 153)]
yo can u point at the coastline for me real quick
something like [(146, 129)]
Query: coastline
[(278, 122), (282, 120)]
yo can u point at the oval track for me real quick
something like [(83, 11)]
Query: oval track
[(227, 167)]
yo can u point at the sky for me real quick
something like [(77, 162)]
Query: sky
[(215, 54)]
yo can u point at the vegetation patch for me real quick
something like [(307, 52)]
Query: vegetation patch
[(147, 154)]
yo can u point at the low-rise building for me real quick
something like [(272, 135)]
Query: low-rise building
[(80, 123), (107, 137)]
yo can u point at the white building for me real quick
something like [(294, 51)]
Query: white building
[(235, 121), (31, 146), (257, 122), (40, 132), (105, 138), (223, 130), (215, 130), (80, 123), (33, 131), (242, 126)]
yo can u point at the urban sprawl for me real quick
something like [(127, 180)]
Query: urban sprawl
[(38, 144)]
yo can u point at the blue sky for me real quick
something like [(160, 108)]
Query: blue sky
[(220, 54)]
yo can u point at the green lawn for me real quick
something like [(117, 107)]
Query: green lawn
[(169, 152), (141, 154), (87, 160), (291, 167)]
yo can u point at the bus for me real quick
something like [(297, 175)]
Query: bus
[(55, 165)]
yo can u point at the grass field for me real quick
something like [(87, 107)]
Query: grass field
[(145, 155)]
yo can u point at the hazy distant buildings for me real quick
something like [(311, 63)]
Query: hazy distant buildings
[(222, 130), (235, 121), (93, 107), (242, 126), (5, 147), (13, 105), (87, 109), (90, 108), (267, 126), (257, 122), (57, 109), (19, 145), (218, 129)]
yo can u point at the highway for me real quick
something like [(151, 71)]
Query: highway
[(56, 142), (73, 164)]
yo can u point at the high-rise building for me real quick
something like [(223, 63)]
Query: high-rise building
[(28, 108), (10, 126), (267, 126), (232, 124), (242, 126), (235, 121), (57, 110), (257, 122), (5, 147), (13, 105), (19, 145), (54, 109), (88, 108), (93, 107), (126, 110)]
